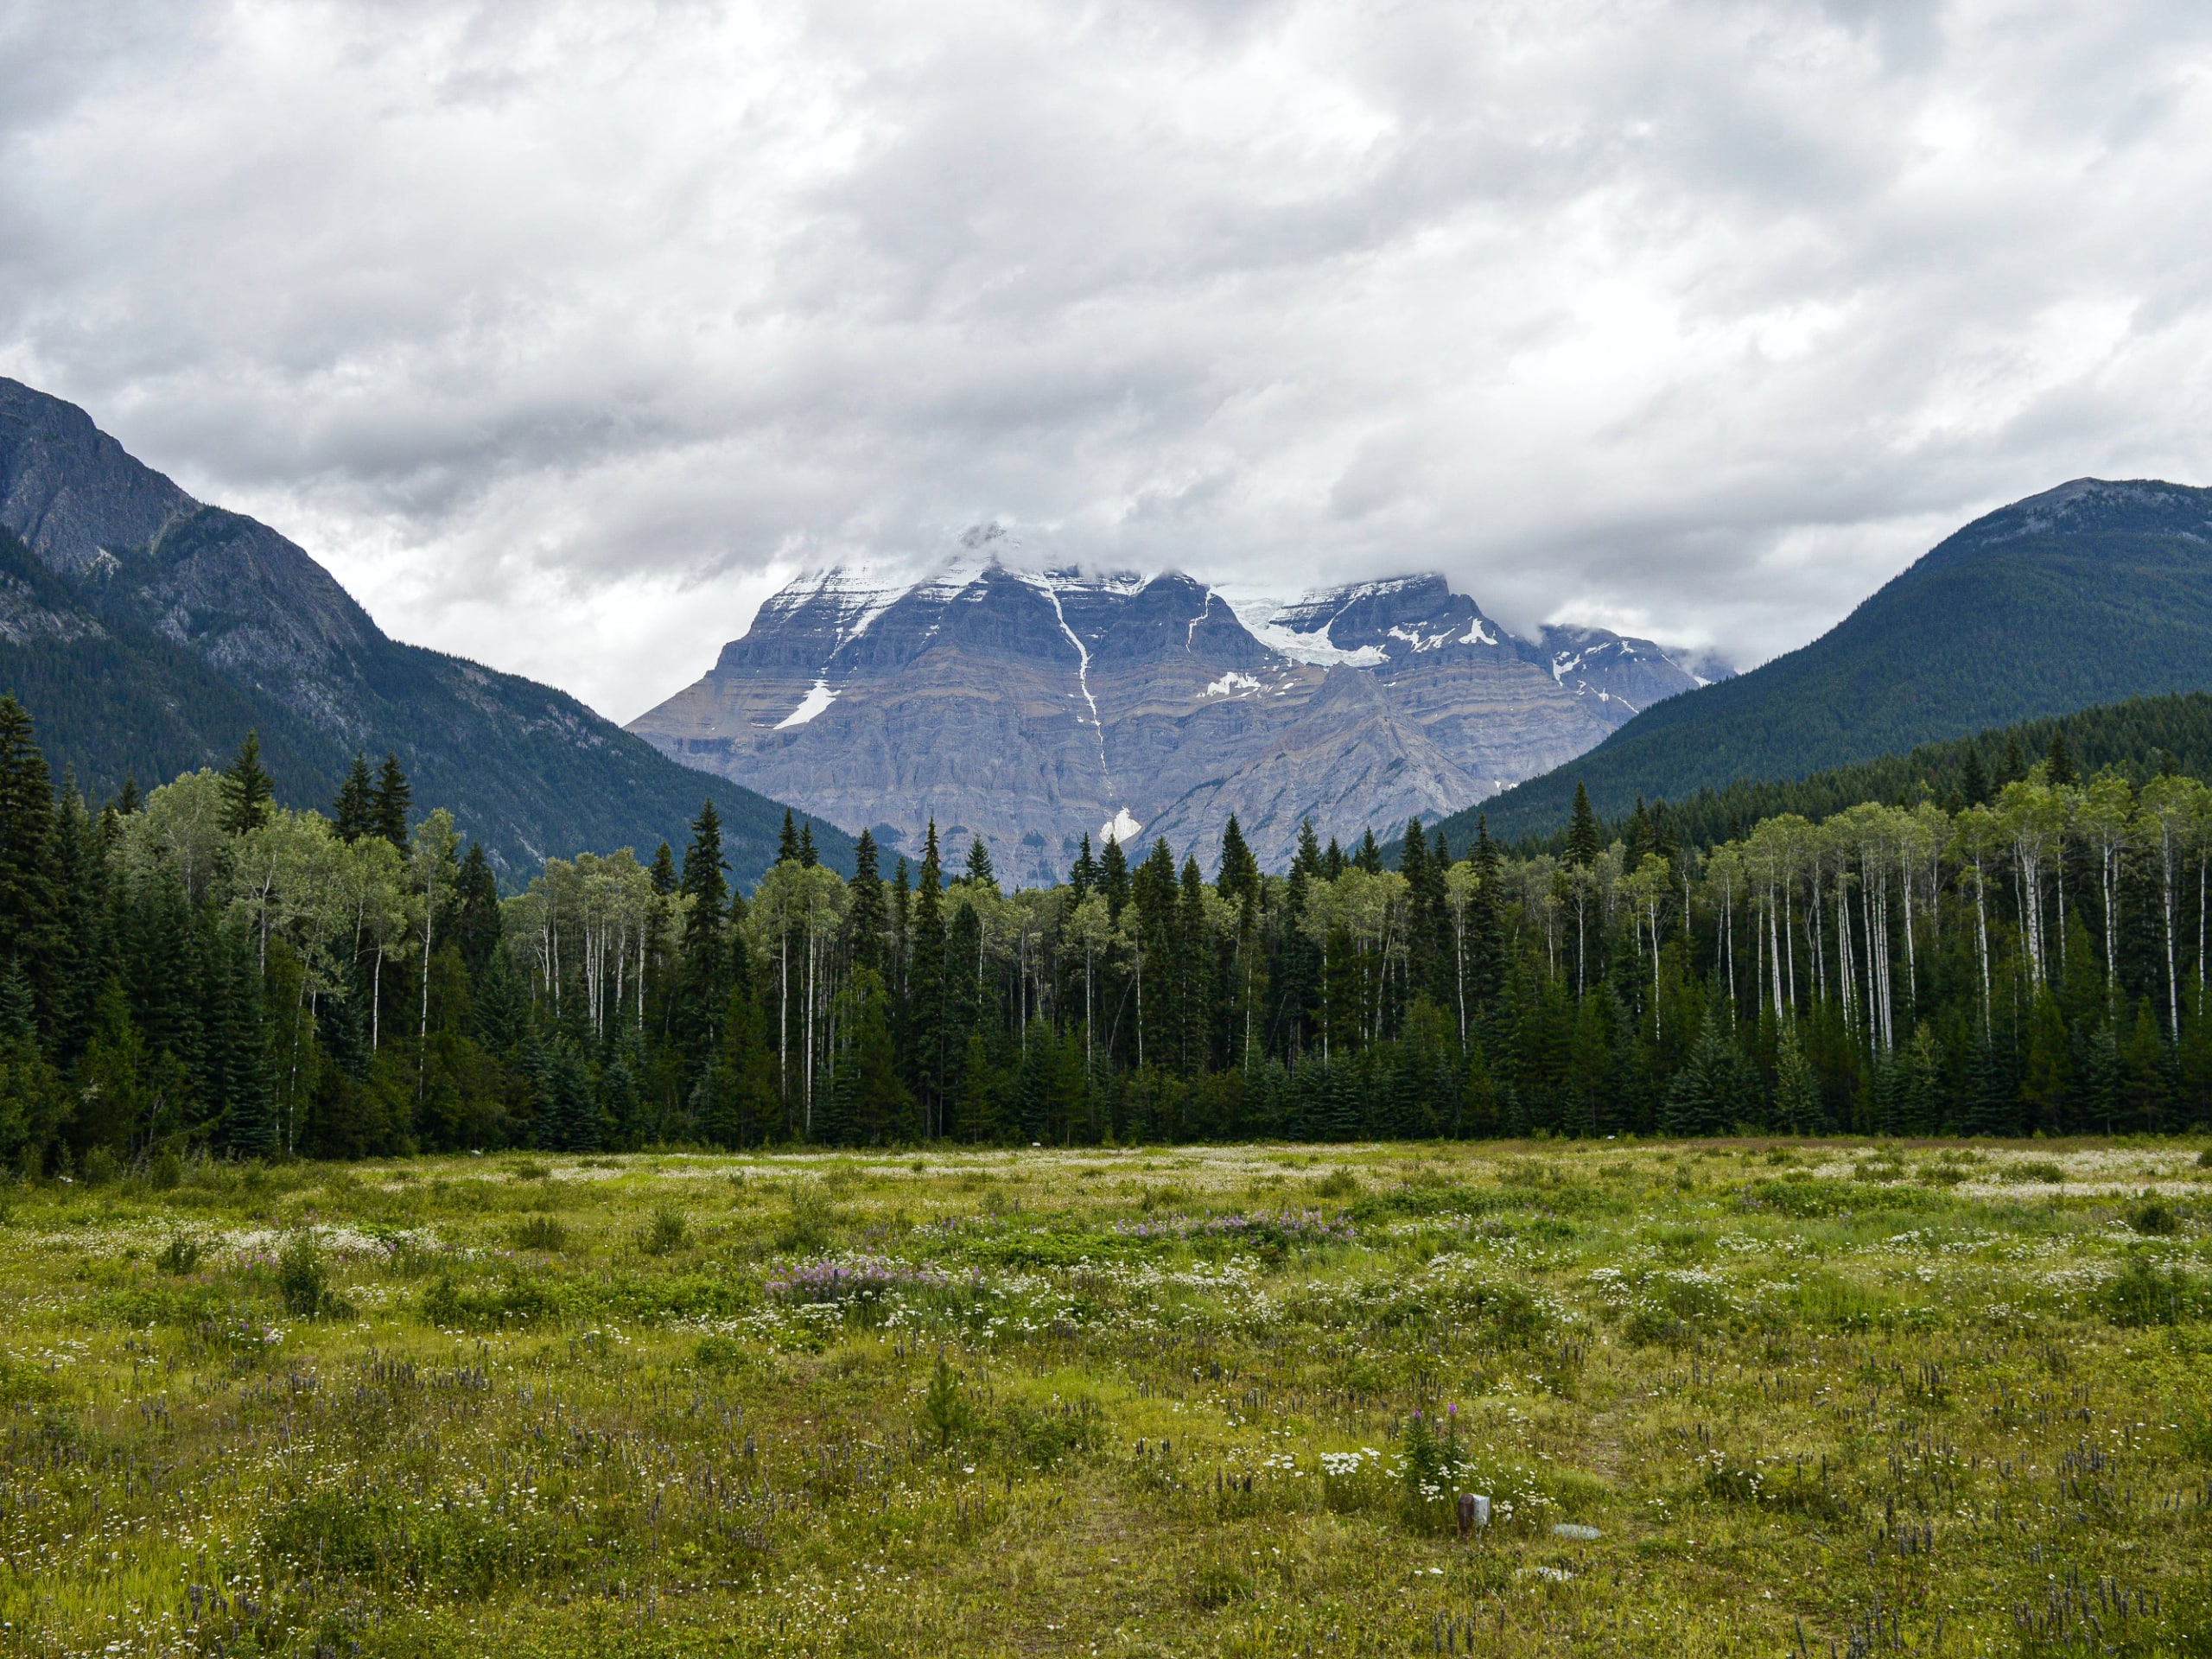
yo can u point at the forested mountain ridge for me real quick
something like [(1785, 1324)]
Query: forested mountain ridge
[(2141, 739), (2092, 593), (146, 633)]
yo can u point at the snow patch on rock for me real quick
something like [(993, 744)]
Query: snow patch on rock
[(809, 706)]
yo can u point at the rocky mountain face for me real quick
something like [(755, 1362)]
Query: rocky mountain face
[(147, 631), (1034, 706)]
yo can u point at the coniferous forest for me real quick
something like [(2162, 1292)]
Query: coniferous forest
[(202, 969)]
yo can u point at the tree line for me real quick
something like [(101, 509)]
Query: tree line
[(203, 968)]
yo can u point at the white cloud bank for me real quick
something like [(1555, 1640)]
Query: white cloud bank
[(564, 334)]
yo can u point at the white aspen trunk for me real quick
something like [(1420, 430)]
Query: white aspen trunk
[(1789, 940), (1981, 939), (429, 895), (808, 1119), (1911, 961)]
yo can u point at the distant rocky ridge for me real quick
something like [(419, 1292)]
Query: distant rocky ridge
[(146, 633), (1032, 705)]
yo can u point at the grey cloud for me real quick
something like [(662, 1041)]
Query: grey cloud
[(562, 333)]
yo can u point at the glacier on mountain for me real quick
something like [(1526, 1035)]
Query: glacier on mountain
[(1005, 697)]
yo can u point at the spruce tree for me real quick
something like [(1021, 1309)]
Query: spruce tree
[(1083, 874), (2060, 761), (476, 925), (703, 977), (354, 814), (1332, 861), (866, 917), (1238, 879), (1194, 975), (807, 857), (248, 1123), (1974, 780), (1413, 854), (925, 991), (126, 799), (787, 843), (1582, 842), (28, 910), (979, 865), (1369, 856), (390, 802), (959, 1085), (1114, 878), (1307, 859), (1485, 923), (248, 790), (1797, 1092), (664, 872)]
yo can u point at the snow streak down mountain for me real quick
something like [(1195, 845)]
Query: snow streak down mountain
[(1034, 706)]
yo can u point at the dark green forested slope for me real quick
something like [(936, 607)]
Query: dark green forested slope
[(2092, 593), (2140, 739), (528, 771)]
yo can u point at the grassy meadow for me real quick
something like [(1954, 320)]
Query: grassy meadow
[(1752, 1398)]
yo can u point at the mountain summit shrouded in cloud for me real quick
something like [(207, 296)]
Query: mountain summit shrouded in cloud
[(567, 334), (1033, 706)]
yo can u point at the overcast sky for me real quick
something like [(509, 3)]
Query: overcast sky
[(564, 334)]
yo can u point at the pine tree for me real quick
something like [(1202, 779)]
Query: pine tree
[(808, 858), (126, 799), (873, 1105), (1239, 880), (476, 925), (1083, 874), (1307, 859), (2049, 1076), (1639, 842), (703, 974), (569, 1119), (979, 866), (354, 814), (1797, 1093), (925, 991), (866, 919), (28, 910), (1369, 856), (1485, 922), (2061, 763), (1194, 975), (1974, 780), (787, 843), (1582, 842), (390, 802), (1113, 880), (664, 872), (1413, 854), (964, 1012), (248, 1121), (1334, 861), (248, 790)]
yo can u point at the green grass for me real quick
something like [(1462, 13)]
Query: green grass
[(1782, 1395)]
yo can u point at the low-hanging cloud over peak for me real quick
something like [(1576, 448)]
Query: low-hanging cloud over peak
[(564, 334)]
